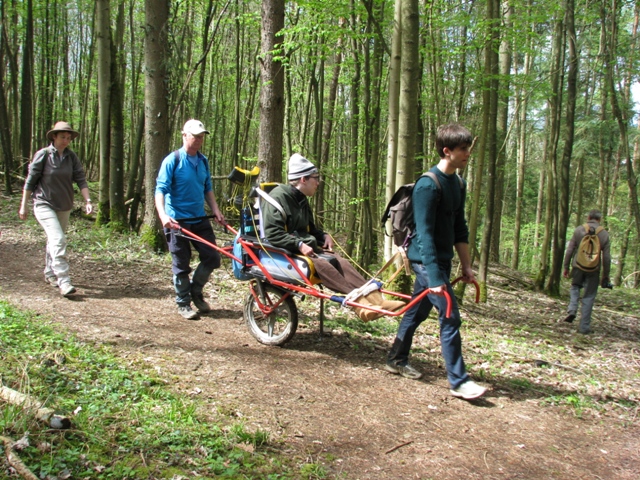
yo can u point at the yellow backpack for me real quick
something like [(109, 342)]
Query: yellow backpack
[(588, 256)]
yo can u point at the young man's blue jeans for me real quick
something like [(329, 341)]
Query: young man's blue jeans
[(180, 248), (450, 341)]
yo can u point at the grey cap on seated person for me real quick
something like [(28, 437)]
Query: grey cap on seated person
[(300, 167)]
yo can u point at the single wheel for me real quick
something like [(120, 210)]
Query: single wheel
[(279, 326)]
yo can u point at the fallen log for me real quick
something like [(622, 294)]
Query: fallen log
[(27, 402)]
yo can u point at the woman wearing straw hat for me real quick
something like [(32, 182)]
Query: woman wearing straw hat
[(52, 173)]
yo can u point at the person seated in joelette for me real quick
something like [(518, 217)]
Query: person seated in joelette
[(298, 233)]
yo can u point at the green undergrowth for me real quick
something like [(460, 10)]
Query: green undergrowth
[(126, 423)]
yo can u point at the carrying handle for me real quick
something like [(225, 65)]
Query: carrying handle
[(475, 284)]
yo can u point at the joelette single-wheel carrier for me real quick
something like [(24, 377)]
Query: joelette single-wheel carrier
[(276, 276)]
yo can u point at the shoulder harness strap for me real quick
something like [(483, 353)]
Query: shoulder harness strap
[(271, 200)]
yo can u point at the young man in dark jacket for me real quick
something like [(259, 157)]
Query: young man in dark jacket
[(440, 227), (297, 232)]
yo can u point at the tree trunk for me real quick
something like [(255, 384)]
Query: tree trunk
[(5, 134), (118, 212), (522, 104), (408, 118), (553, 287), (624, 248), (208, 18), (103, 33), (136, 175), (622, 119), (393, 116), (272, 92), (492, 84), (354, 124), (502, 137), (235, 149), (371, 254), (26, 93), (157, 134), (328, 124), (555, 105)]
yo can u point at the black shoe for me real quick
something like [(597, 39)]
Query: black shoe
[(200, 304), (570, 318)]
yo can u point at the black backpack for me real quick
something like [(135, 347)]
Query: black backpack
[(400, 210)]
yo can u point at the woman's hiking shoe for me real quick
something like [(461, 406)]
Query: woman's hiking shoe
[(51, 280), (67, 289), (468, 390), (570, 318), (406, 371), (200, 304), (186, 312)]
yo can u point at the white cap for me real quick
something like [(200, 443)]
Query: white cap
[(300, 167), (194, 127)]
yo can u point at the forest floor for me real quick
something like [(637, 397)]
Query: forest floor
[(559, 405)]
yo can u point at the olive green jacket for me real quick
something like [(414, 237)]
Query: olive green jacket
[(296, 227)]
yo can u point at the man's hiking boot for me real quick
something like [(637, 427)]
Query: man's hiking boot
[(67, 289), (406, 371), (200, 304), (469, 390), (51, 280), (570, 318), (186, 312)]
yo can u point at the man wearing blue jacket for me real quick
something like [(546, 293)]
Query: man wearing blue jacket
[(182, 188), (440, 227)]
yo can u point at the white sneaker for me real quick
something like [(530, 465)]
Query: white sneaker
[(468, 390), (67, 289), (186, 312)]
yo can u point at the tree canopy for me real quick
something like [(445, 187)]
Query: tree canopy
[(546, 86)]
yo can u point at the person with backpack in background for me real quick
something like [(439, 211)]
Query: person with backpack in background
[(182, 188), (589, 248), (440, 226)]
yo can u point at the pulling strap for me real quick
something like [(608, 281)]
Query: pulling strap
[(363, 291)]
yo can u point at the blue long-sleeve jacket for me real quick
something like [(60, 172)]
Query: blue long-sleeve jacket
[(184, 185)]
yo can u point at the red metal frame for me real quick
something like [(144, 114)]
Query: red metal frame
[(475, 284), (264, 308), (308, 288)]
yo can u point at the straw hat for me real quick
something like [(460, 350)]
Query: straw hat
[(62, 127)]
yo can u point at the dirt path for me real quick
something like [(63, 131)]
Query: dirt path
[(327, 400)]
